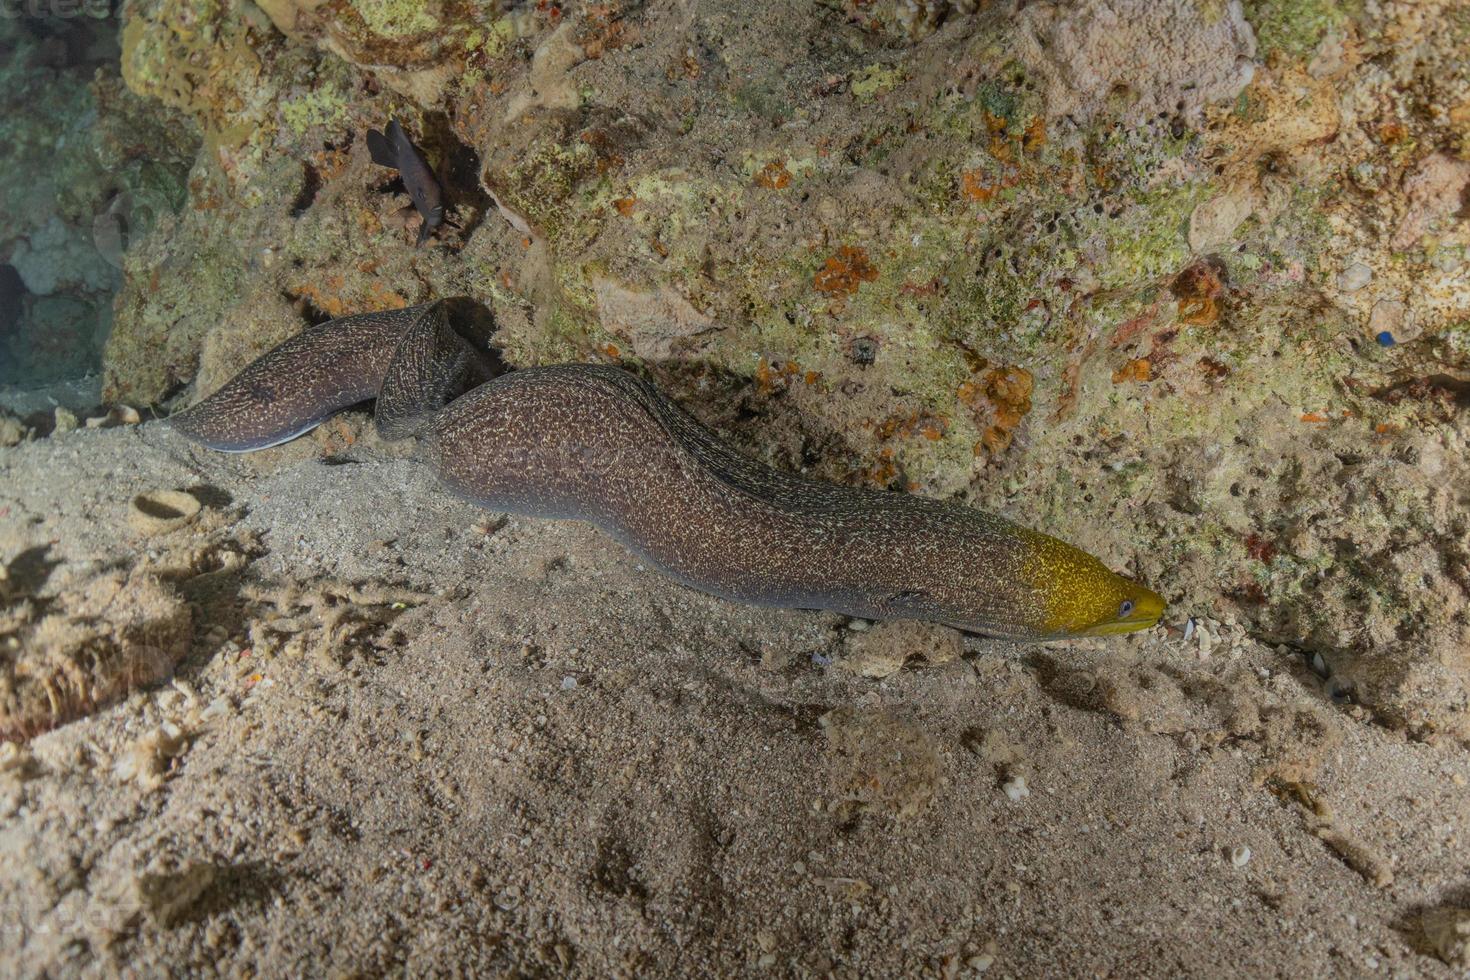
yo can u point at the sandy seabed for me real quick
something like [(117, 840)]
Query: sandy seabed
[(407, 735)]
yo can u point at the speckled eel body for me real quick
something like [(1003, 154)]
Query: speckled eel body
[(596, 443)]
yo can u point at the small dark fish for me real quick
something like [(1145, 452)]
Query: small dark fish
[(396, 150)]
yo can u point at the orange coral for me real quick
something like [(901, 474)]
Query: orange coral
[(844, 272), (605, 147), (1000, 144), (380, 297), (774, 175), (764, 379), (326, 297), (1198, 289), (687, 67), (1139, 369), (999, 400), (886, 470), (604, 30), (975, 185), (330, 296), (908, 425), (329, 163), (773, 376), (1034, 136)]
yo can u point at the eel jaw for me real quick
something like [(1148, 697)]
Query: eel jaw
[(1148, 609)]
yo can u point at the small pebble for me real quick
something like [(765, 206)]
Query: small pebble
[(1389, 321), (568, 683), (1240, 856), (1354, 277), (1016, 788)]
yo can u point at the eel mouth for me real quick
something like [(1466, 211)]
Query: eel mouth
[(1147, 612), (1130, 625)]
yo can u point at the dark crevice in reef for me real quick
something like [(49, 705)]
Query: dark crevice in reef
[(311, 186), (1447, 392), (392, 185), (457, 165), (12, 298), (173, 391), (474, 321), (313, 314)]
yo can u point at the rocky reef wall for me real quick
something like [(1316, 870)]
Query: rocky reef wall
[(88, 165), (1205, 312)]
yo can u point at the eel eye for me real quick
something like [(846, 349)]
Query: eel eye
[(1125, 609)]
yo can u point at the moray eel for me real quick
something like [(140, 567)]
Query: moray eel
[(595, 443)]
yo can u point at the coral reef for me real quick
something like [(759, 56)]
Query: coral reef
[(1207, 317)]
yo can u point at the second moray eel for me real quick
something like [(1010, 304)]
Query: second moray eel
[(596, 443)]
